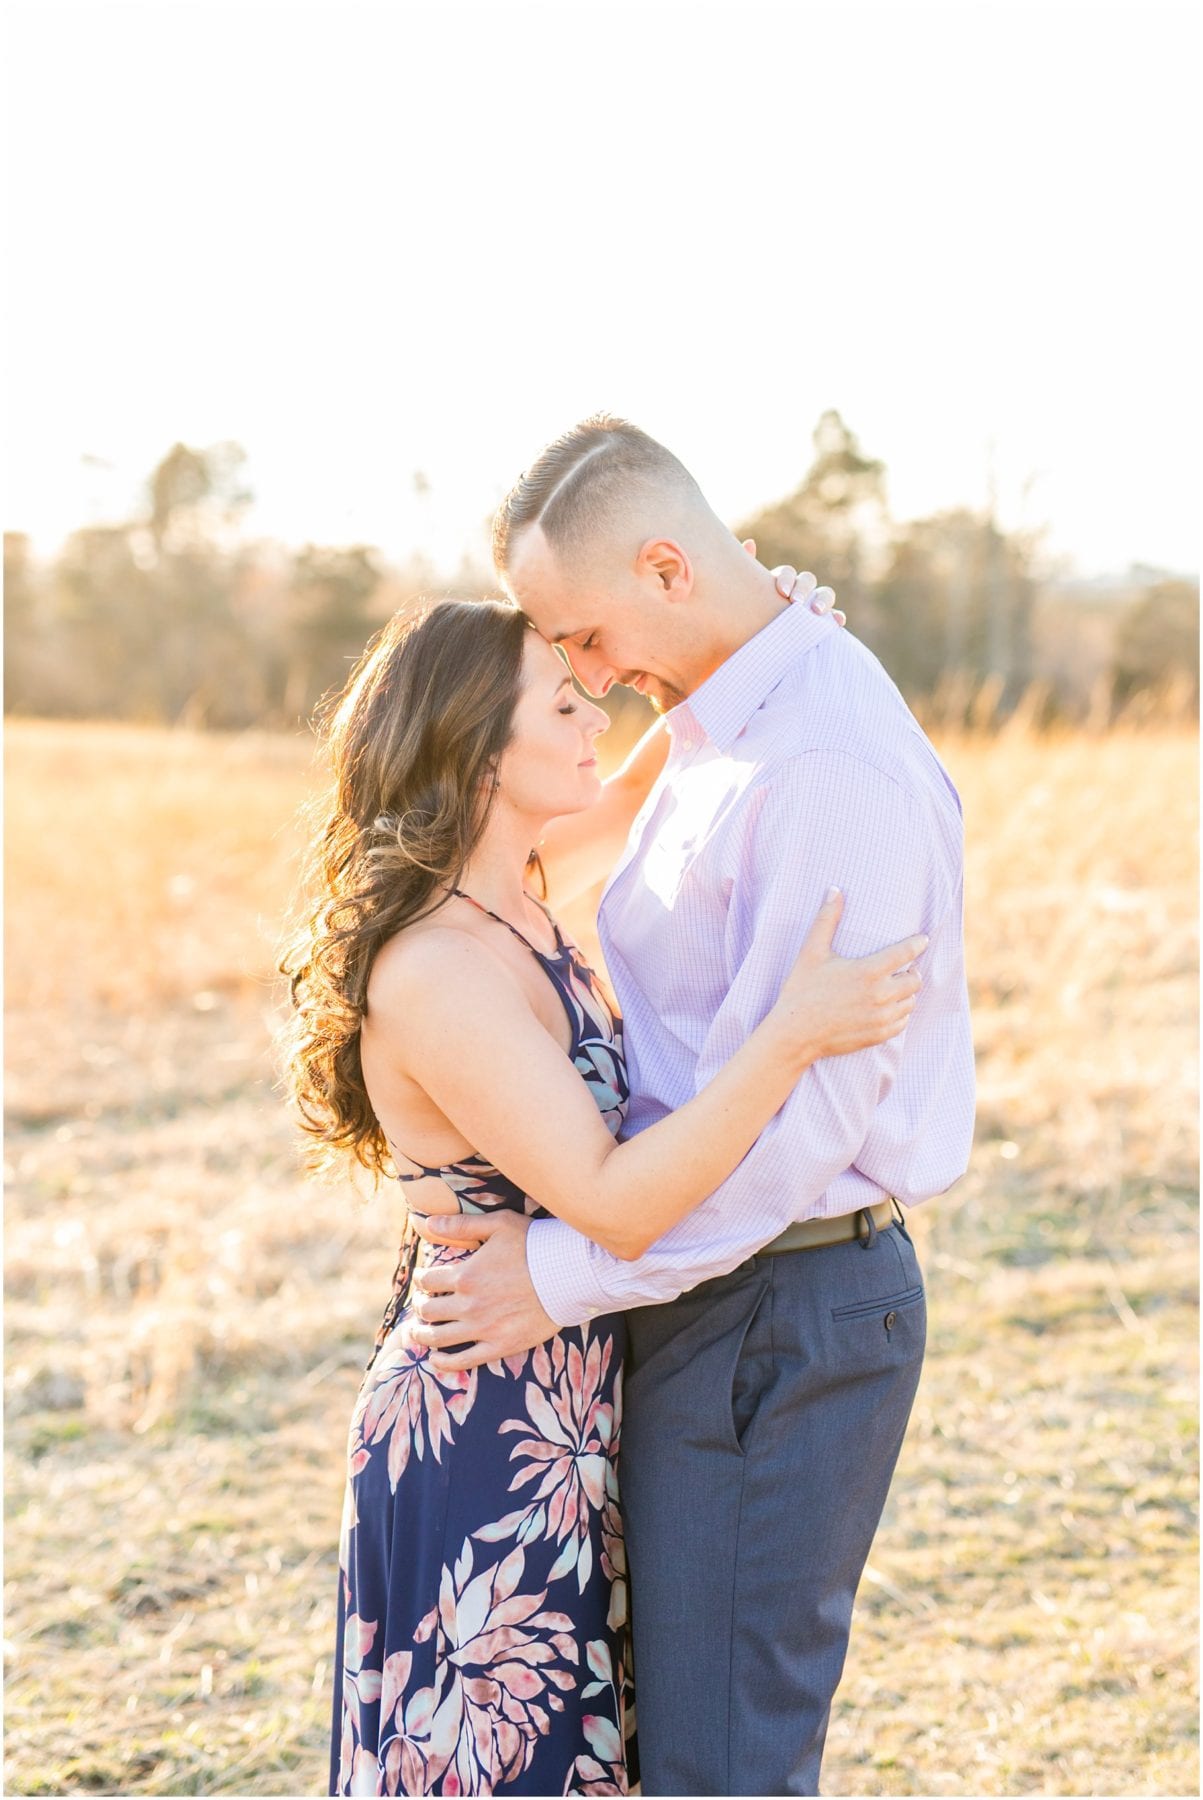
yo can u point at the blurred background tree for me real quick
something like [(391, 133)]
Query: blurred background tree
[(1157, 643), (329, 591), (935, 599), (835, 521), (955, 600)]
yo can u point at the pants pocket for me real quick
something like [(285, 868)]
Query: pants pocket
[(687, 1378), (888, 1303), (751, 1371), (871, 1337)]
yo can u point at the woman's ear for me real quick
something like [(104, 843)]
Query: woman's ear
[(666, 562)]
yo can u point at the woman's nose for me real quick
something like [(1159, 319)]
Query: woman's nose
[(600, 722)]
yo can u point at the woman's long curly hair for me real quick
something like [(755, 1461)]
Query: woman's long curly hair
[(413, 741)]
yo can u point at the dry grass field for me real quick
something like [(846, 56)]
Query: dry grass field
[(187, 1318)]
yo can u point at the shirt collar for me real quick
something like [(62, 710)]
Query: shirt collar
[(726, 700)]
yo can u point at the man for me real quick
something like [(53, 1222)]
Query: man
[(777, 1333)]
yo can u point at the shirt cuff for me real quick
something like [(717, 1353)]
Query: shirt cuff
[(560, 1264)]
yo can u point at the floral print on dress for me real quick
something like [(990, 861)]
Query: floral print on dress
[(603, 1770), (431, 1400), (503, 1661), (569, 1457), (482, 1643)]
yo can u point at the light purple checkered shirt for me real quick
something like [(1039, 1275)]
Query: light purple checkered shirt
[(795, 767)]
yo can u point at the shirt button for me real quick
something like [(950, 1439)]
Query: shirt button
[(891, 1320)]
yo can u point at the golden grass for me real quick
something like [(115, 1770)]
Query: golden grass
[(187, 1318)]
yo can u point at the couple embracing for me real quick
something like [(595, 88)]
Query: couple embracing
[(682, 1227)]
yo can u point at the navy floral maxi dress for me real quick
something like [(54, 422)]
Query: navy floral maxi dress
[(482, 1607)]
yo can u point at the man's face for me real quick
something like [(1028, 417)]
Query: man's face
[(613, 626)]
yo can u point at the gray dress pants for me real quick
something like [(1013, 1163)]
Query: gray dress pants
[(763, 1415)]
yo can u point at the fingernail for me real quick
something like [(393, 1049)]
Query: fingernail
[(833, 893), (822, 600)]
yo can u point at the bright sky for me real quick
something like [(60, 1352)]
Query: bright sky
[(364, 241)]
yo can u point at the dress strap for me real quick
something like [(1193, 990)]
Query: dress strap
[(423, 1169), (561, 940), (521, 936)]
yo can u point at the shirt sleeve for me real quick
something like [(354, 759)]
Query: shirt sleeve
[(821, 820)]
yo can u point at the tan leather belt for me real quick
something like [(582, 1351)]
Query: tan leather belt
[(810, 1234)]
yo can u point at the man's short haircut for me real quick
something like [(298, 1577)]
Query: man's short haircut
[(578, 485)]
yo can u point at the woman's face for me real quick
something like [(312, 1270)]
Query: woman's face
[(549, 766)]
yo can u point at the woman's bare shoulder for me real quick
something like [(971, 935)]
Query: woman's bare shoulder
[(433, 960)]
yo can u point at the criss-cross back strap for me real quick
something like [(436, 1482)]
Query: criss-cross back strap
[(423, 1169)]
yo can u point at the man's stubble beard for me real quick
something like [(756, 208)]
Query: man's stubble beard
[(666, 696)]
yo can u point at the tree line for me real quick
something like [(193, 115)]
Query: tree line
[(174, 616)]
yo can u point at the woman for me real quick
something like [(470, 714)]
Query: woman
[(448, 1034)]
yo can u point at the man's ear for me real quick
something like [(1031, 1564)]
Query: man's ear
[(665, 561)]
